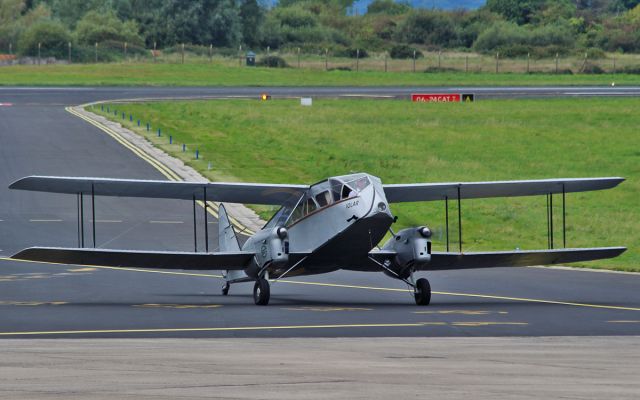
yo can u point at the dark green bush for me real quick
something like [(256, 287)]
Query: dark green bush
[(272, 62), (350, 53), (590, 68), (434, 28), (53, 37), (403, 51)]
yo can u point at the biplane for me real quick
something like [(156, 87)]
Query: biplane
[(334, 224)]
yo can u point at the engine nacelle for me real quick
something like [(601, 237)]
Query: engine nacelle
[(413, 249), (271, 248)]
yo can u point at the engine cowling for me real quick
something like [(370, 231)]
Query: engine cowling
[(271, 249), (413, 249)]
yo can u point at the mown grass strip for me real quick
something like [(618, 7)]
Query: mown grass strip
[(198, 74)]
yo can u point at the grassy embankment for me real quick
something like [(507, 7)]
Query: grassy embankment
[(280, 141), (199, 74)]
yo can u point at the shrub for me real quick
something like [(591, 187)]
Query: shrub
[(512, 40), (105, 26), (631, 69), (590, 68), (403, 51), (341, 68), (52, 35), (272, 62), (428, 27), (351, 53)]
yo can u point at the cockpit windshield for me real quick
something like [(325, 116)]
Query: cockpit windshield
[(320, 195), (350, 187)]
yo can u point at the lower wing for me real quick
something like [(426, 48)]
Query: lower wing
[(520, 258), (137, 259)]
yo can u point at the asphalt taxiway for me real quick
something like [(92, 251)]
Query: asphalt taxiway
[(37, 136)]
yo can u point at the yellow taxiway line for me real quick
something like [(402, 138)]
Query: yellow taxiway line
[(226, 329), (343, 286), (212, 207)]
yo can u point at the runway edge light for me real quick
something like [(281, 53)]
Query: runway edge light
[(265, 97)]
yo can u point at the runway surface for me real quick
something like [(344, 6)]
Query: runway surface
[(37, 136)]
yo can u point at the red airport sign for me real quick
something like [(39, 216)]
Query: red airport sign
[(441, 97)]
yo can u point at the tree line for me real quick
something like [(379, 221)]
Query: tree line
[(509, 27)]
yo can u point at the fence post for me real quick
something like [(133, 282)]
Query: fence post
[(268, 51), (240, 56), (211, 53), (439, 55), (39, 45), (69, 52), (326, 59), (466, 63), (124, 50), (528, 58), (10, 48), (96, 52), (154, 51), (385, 62), (182, 52), (614, 63), (414, 61), (497, 62), (298, 57), (556, 63), (357, 60)]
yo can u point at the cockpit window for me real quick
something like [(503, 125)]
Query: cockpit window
[(311, 206), (305, 207), (324, 198), (351, 188)]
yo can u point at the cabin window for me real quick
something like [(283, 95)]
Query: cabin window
[(311, 207), (298, 212), (324, 198), (347, 192)]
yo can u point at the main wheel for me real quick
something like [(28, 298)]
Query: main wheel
[(261, 292), (423, 292), (225, 288)]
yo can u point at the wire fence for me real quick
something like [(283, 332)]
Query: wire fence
[(439, 61)]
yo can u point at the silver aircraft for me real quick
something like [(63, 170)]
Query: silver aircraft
[(333, 224)]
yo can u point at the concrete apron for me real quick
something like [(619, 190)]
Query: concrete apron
[(309, 368)]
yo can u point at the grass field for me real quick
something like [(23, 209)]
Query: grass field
[(399, 141), (219, 74)]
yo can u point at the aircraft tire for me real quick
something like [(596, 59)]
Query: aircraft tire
[(261, 292), (423, 292), (225, 288)]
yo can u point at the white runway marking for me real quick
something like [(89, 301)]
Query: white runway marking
[(166, 222), (45, 220)]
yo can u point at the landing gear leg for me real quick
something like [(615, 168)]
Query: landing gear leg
[(225, 288), (422, 292), (261, 292)]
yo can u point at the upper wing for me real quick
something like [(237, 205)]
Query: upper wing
[(137, 259), (247, 193), (445, 261), (476, 190)]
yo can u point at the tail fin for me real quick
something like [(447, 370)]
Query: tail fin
[(227, 239), (228, 242)]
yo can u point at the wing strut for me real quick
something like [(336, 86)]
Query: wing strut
[(459, 220), (206, 226), (195, 227), (550, 229), (93, 214), (80, 212), (446, 218)]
